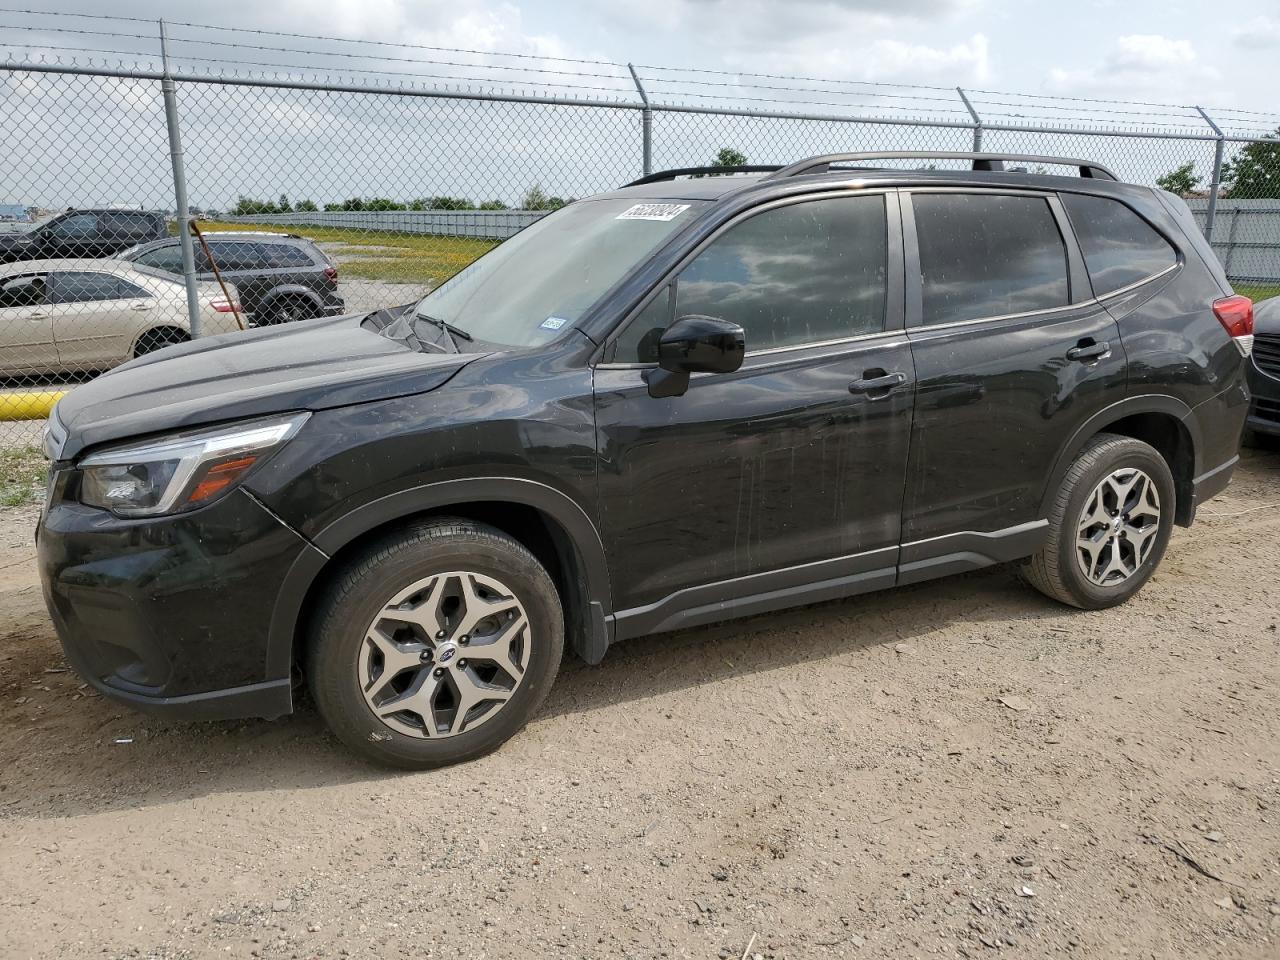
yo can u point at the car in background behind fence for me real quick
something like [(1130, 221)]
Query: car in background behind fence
[(281, 276), (84, 233), (60, 316)]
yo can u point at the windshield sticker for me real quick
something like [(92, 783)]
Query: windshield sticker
[(653, 211), (553, 323)]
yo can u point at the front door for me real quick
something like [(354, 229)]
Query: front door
[(782, 482), (1012, 355)]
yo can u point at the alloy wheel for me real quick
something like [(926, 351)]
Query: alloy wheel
[(444, 655), (1118, 527)]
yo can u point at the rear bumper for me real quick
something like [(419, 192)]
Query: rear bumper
[(171, 615)]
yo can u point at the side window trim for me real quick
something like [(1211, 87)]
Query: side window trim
[(914, 277), (895, 298)]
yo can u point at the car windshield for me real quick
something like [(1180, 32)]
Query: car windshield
[(529, 288)]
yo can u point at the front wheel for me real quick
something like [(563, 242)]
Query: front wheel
[(436, 645), (1108, 526)]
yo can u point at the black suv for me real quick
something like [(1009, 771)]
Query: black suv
[(83, 233), (681, 402), (1264, 382), (280, 276)]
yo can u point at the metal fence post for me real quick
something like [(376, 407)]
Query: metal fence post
[(1215, 179), (646, 122), (977, 121), (169, 92)]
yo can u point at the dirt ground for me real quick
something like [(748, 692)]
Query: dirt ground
[(961, 768)]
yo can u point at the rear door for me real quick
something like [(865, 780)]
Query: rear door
[(26, 325), (1012, 354), (96, 318), (783, 481)]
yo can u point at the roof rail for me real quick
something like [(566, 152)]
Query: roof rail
[(981, 161), (702, 171)]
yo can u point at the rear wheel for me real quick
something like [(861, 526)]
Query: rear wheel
[(153, 340), (436, 645), (1108, 527), (288, 309)]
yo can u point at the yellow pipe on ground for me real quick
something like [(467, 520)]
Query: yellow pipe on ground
[(28, 404)]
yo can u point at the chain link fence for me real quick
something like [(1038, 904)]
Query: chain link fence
[(320, 196)]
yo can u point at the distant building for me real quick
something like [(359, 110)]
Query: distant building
[(14, 213)]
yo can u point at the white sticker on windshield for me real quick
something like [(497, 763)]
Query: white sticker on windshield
[(653, 211), (553, 323)]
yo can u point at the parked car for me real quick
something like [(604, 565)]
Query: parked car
[(1264, 374), (684, 401), (83, 233), (281, 276), (59, 316)]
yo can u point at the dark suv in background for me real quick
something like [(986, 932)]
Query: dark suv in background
[(83, 233), (681, 402), (281, 277), (1264, 380)]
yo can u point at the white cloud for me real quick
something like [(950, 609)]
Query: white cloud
[(1142, 52), (1259, 34), (1143, 64)]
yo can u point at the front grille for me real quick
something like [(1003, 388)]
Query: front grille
[(1266, 353), (1266, 409)]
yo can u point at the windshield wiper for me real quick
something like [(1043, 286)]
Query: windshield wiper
[(454, 333)]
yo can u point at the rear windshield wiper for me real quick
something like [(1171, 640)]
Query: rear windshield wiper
[(454, 333)]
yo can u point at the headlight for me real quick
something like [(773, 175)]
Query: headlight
[(180, 472)]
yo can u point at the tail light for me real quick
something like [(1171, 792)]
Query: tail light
[(331, 274), (1236, 316), (224, 306)]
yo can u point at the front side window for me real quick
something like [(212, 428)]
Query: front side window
[(76, 226), (802, 273), (545, 278), (84, 287), (987, 255), (1119, 247), (26, 291), (167, 258)]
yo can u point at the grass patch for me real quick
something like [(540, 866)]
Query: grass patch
[(1257, 291), (23, 472), (395, 257)]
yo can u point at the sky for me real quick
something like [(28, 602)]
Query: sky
[(1215, 52), (1224, 55)]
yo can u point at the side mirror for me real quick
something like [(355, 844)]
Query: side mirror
[(695, 344)]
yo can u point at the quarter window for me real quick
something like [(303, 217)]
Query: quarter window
[(986, 255), (1119, 247), (802, 273), (167, 258)]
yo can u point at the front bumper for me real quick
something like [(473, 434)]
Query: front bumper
[(171, 615), (1264, 411)]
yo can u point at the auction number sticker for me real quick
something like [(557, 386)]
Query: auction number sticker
[(653, 211)]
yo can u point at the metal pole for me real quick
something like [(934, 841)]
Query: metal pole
[(977, 121), (646, 122), (180, 187), (1215, 180)]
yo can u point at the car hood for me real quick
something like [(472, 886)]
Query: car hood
[(1266, 317), (313, 365)]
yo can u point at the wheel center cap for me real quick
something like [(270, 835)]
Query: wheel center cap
[(446, 652), (1117, 523)]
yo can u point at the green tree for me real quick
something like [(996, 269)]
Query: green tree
[(492, 205), (447, 203), (306, 206), (283, 205), (535, 198), (1254, 174), (1181, 180), (729, 157), (248, 207)]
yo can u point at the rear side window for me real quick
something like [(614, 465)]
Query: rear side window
[(236, 255), (1119, 247), (986, 255), (285, 255), (74, 287)]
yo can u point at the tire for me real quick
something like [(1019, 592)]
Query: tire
[(1119, 539), (287, 310), (369, 647), (153, 340)]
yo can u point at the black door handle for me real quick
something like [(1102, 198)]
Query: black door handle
[(1087, 350), (879, 385)]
